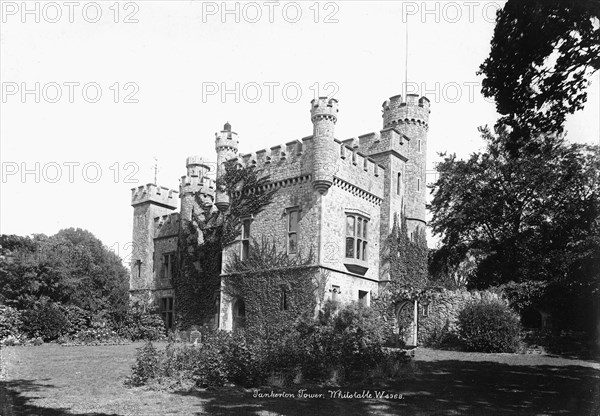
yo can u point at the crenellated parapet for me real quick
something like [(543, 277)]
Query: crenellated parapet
[(286, 153), (413, 110), (294, 159), (226, 140), (324, 108), (198, 185), (360, 170), (152, 193)]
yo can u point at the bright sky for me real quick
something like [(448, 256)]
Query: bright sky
[(174, 59)]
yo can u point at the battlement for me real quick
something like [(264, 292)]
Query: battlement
[(414, 110), (195, 185), (226, 139), (154, 194), (284, 155), (351, 156), (288, 152), (324, 108)]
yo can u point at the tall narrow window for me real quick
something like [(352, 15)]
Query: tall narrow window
[(166, 310), (293, 216), (138, 268), (418, 184), (350, 233), (284, 301), (245, 238), (168, 260), (399, 184), (356, 237), (419, 146)]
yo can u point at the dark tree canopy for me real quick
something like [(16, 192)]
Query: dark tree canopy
[(542, 54), (529, 216), (72, 267)]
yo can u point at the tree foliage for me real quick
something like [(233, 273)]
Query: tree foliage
[(542, 54), (71, 267), (524, 216)]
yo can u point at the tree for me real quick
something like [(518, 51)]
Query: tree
[(524, 216), (71, 267), (542, 53)]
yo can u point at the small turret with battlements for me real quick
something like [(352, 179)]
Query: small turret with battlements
[(323, 114), (196, 184), (226, 145)]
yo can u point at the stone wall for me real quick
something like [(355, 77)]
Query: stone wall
[(441, 321)]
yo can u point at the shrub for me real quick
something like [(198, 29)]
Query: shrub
[(10, 322), (45, 320), (349, 339), (147, 365), (244, 360), (211, 368), (97, 334), (342, 341), (489, 326), (78, 319), (142, 323)]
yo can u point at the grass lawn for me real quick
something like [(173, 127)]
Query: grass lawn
[(54, 380)]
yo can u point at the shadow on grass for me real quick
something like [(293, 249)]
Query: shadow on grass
[(14, 402), (438, 388)]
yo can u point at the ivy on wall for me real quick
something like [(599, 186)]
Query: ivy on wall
[(406, 260), (201, 242), (276, 288)]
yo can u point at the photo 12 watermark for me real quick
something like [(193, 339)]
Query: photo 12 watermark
[(69, 172), (447, 92), (69, 12), (69, 92), (269, 12), (265, 91), (450, 11)]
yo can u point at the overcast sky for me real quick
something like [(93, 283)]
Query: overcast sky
[(120, 85)]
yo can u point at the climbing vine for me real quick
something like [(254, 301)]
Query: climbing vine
[(276, 288), (201, 242), (406, 260)]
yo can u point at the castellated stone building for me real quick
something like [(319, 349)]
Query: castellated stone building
[(335, 196)]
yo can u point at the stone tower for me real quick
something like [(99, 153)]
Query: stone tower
[(226, 145), (323, 115), (410, 119), (196, 182), (148, 202)]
